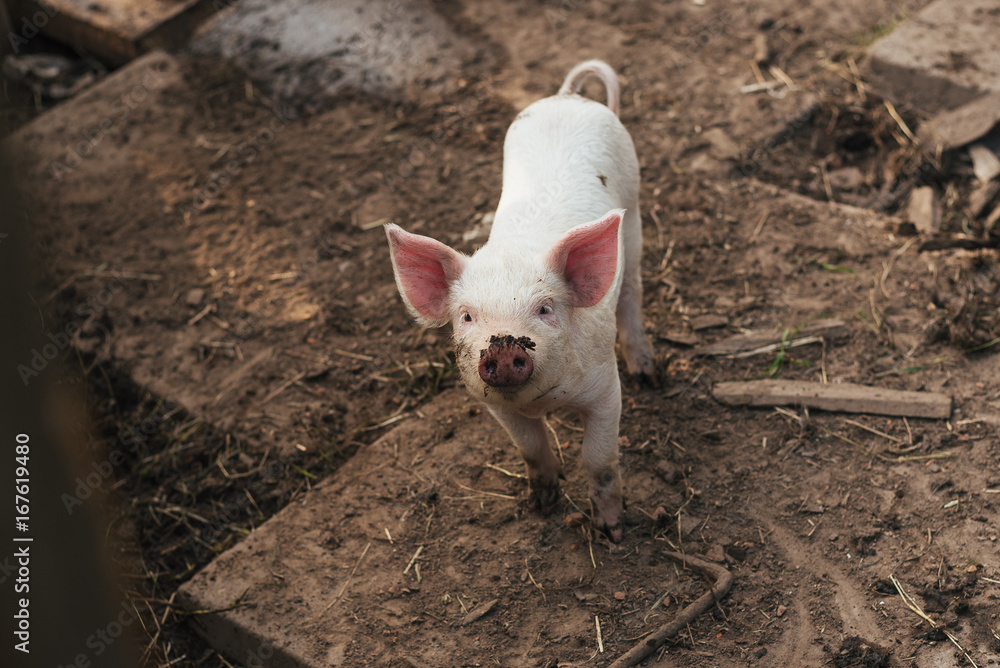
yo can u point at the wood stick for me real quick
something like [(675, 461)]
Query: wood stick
[(478, 612), (840, 397), (649, 644), (748, 344)]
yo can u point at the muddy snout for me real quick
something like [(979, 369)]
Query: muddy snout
[(506, 363)]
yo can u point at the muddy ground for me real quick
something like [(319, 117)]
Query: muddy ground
[(257, 342)]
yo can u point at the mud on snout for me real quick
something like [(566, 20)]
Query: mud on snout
[(505, 362)]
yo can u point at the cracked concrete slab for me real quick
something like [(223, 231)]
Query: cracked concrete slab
[(943, 56)]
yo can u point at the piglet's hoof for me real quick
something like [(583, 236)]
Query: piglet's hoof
[(613, 531), (544, 497)]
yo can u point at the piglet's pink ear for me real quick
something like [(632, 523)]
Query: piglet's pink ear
[(425, 270), (587, 257)]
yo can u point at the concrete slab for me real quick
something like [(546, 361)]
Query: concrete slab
[(940, 58), (392, 561), (115, 31), (84, 135), (307, 51), (285, 594)]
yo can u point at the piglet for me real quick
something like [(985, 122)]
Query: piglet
[(534, 310)]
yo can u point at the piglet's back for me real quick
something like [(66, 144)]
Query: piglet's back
[(567, 160)]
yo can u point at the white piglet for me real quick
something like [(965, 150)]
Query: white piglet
[(534, 310)]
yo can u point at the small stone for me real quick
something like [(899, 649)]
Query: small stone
[(985, 163), (981, 197), (689, 524), (716, 554), (619, 596), (924, 210), (723, 147), (781, 610), (195, 296), (846, 178), (723, 303)]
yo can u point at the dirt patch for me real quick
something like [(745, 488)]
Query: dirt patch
[(258, 344), (856, 653), (860, 151)]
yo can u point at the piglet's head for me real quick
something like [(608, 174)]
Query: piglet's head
[(510, 304)]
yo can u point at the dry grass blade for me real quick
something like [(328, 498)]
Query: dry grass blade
[(856, 79), (917, 458), (874, 431), (658, 602), (785, 345), (353, 356), (485, 493), (413, 559), (509, 474), (343, 588), (912, 605), (555, 440), (899, 121), (387, 422), (760, 226)]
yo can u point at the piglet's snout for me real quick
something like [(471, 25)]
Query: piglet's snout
[(505, 364)]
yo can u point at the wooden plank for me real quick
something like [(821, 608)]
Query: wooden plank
[(840, 397), (708, 321), (115, 31), (745, 345), (680, 338)]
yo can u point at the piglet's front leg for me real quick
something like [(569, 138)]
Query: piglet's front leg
[(532, 439), (600, 457)]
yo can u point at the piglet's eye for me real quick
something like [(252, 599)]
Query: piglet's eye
[(545, 310), (466, 317)]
